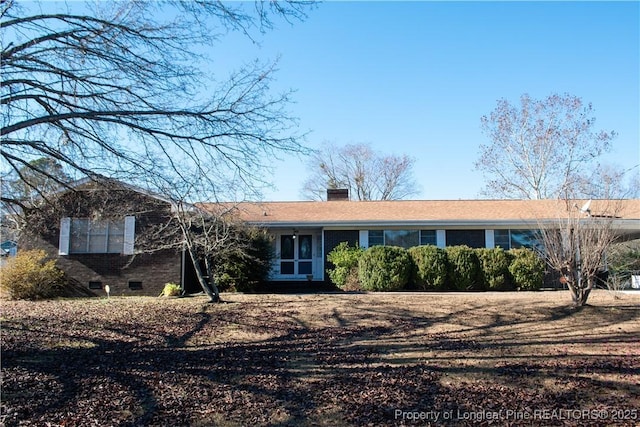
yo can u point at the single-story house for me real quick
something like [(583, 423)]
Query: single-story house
[(306, 231), (95, 232)]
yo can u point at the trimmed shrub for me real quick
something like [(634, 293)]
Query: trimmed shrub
[(463, 268), (29, 275), (494, 266), (345, 260), (384, 268), (243, 266), (527, 269), (171, 290), (430, 270)]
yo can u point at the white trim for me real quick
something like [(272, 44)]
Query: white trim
[(363, 239), (441, 238), (489, 239)]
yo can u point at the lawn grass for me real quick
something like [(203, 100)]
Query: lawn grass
[(323, 359)]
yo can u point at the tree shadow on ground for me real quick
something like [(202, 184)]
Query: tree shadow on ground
[(339, 374)]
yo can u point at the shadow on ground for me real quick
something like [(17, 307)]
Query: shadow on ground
[(370, 364)]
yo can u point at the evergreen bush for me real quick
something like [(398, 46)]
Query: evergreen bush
[(527, 269), (345, 258), (384, 268), (463, 268), (246, 264), (430, 271), (494, 266)]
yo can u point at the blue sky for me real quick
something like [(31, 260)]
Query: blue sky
[(415, 77)]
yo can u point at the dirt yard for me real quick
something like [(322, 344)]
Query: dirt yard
[(323, 360)]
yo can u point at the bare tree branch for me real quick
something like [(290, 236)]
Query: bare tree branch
[(540, 149), (368, 175)]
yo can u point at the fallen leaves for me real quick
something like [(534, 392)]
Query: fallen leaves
[(268, 360)]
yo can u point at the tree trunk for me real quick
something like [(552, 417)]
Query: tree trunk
[(213, 294), (212, 282), (580, 292)]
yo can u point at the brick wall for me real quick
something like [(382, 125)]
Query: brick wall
[(153, 270), (149, 270)]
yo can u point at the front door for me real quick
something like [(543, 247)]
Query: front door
[(296, 255)]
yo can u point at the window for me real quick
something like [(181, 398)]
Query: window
[(402, 238), (514, 239), (376, 237), (524, 239), (502, 239), (428, 237), (87, 236)]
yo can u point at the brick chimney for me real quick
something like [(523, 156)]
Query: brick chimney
[(337, 194)]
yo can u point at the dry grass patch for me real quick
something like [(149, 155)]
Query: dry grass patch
[(347, 359)]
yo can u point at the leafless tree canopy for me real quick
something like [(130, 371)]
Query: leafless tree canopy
[(368, 175), (121, 90), (541, 149), (118, 89)]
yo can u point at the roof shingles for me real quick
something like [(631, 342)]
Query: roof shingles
[(408, 211)]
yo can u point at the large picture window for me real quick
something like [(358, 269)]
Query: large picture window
[(88, 236), (514, 239), (96, 237), (403, 238)]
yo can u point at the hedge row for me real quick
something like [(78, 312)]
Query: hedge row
[(391, 268)]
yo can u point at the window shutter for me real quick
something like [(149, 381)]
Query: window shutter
[(65, 234), (129, 234)]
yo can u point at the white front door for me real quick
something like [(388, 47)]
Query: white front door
[(296, 256)]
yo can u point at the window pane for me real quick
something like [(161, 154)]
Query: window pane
[(402, 238), (428, 237), (471, 238), (97, 243), (376, 237), (97, 236), (501, 239), (524, 238), (79, 235), (116, 244), (304, 250), (286, 247), (304, 267), (116, 237), (286, 267)]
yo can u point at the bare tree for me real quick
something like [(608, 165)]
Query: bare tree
[(610, 182), (119, 90), (575, 245), (32, 183), (368, 175), (541, 149)]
